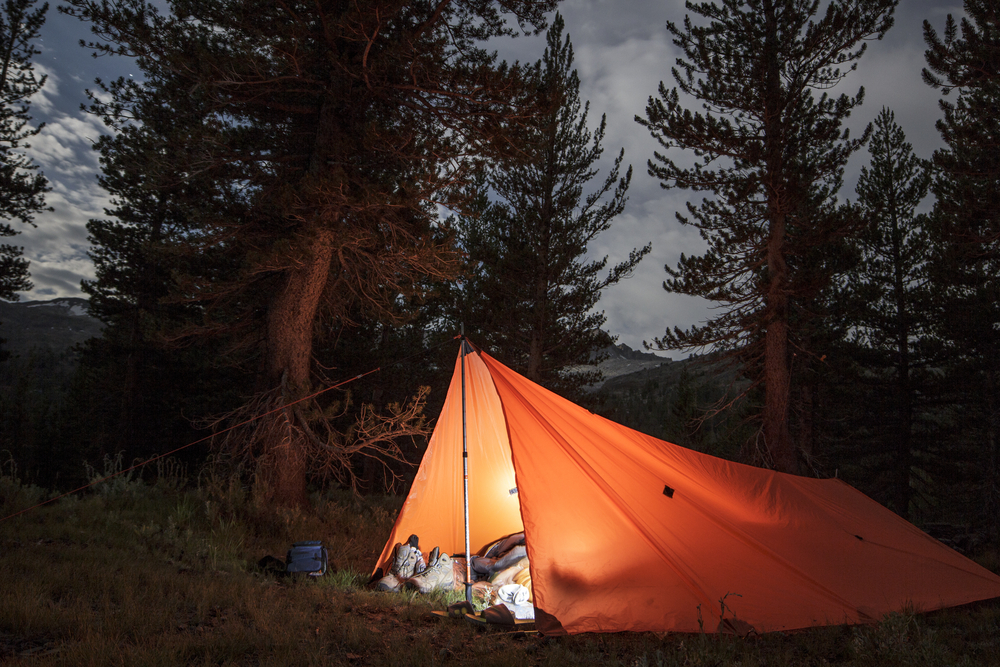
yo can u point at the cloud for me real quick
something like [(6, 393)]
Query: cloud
[(57, 280), (57, 246), (611, 22), (57, 251), (44, 100), (890, 73)]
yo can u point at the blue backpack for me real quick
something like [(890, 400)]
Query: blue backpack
[(307, 558)]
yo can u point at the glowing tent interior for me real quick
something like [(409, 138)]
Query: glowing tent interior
[(629, 533)]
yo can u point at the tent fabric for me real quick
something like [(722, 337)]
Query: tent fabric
[(434, 509), (626, 532)]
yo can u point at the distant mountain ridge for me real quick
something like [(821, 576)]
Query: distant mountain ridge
[(56, 325), (59, 324), (623, 360), (623, 351)]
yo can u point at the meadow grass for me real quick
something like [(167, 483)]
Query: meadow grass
[(166, 574)]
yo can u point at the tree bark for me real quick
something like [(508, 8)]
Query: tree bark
[(992, 406), (904, 392), (777, 376), (536, 345), (290, 325)]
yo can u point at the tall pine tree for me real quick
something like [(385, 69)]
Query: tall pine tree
[(150, 391), (22, 188), (887, 308), (965, 223), (770, 151), (529, 291), (335, 127)]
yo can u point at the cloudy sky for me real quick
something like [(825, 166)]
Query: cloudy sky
[(622, 53)]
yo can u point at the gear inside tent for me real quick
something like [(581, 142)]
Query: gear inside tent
[(626, 532)]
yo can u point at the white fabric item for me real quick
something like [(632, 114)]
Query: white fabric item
[(522, 612), (515, 594)]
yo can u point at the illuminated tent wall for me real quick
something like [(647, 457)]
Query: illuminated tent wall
[(627, 532)]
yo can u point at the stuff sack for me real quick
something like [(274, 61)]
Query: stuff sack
[(307, 558)]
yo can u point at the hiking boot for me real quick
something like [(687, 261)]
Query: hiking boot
[(439, 575), (388, 583), (407, 560), (420, 564), (401, 564)]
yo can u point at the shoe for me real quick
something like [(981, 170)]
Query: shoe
[(421, 564), (439, 575), (499, 614), (460, 609), (407, 560), (388, 583)]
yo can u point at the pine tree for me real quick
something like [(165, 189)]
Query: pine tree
[(965, 223), (888, 303), (529, 291), (773, 153), (333, 130), (150, 391), (22, 188)]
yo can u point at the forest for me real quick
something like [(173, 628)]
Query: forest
[(311, 200)]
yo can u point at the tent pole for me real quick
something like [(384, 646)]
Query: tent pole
[(465, 481)]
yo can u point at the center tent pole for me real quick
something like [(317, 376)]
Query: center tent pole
[(465, 480)]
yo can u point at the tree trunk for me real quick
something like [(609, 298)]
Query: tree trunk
[(536, 345), (534, 370), (777, 436), (904, 393), (904, 453), (290, 325), (808, 397), (777, 376), (992, 405)]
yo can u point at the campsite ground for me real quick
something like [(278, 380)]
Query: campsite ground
[(166, 574)]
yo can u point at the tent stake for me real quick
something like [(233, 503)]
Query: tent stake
[(465, 482)]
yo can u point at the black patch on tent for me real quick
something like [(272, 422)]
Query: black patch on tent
[(860, 538), (667, 491), (513, 491)]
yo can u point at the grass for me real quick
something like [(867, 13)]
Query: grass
[(164, 574)]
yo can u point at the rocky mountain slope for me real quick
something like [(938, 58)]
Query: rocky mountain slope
[(623, 360), (54, 325)]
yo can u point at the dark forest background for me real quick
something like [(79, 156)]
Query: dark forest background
[(302, 197)]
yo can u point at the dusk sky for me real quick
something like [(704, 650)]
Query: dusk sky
[(622, 53)]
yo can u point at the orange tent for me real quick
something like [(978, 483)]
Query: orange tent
[(627, 532)]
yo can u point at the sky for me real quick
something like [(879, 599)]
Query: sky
[(622, 53)]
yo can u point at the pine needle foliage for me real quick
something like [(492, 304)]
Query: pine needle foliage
[(324, 134), (22, 188), (887, 307), (769, 149), (965, 223), (530, 291)]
